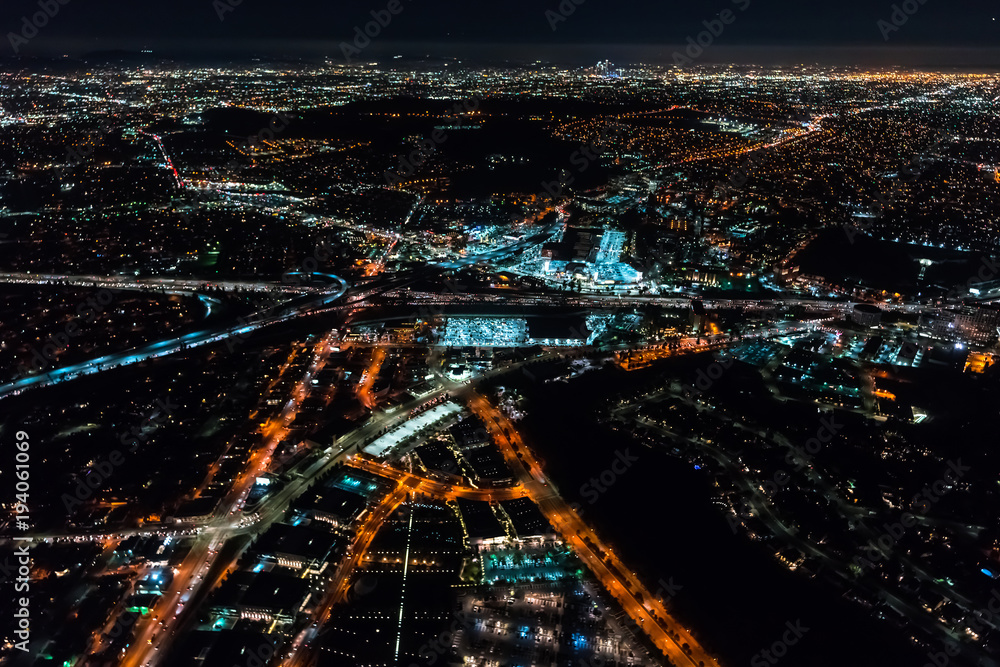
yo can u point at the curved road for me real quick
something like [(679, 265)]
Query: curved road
[(283, 313)]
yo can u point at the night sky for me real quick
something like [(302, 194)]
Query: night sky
[(621, 29)]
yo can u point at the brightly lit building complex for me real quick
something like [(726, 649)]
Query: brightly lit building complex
[(586, 254), (520, 331)]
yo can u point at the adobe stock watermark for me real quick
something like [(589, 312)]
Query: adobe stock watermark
[(88, 311), (910, 174), (362, 587), (427, 146), (430, 312), (706, 378), (309, 266), (363, 36), (565, 9), (31, 25), (22, 615), (597, 486), (7, 570), (981, 621), (278, 124), (581, 159), (666, 590), (799, 457), (79, 153), (754, 159), (779, 649), (713, 30), (901, 13), (750, 163), (123, 624), (223, 7), (581, 332), (880, 548), (101, 471), (259, 658), (988, 272)]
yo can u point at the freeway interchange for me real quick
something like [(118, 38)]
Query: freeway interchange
[(207, 562)]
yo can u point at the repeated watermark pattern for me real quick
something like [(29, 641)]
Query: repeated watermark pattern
[(714, 28), (901, 13), (980, 621), (426, 147), (779, 649), (86, 311), (363, 35), (754, 159), (581, 159), (800, 457), (31, 25), (309, 266), (79, 153), (881, 547), (223, 7), (988, 272), (101, 471), (667, 589), (278, 123), (592, 490), (437, 648), (706, 378), (750, 163), (562, 13), (259, 658), (908, 174)]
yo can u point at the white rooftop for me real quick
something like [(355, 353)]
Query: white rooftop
[(387, 442)]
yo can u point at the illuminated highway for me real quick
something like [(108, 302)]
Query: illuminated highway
[(445, 280), (284, 313), (202, 568), (169, 614), (310, 304), (190, 586), (229, 521), (164, 285)]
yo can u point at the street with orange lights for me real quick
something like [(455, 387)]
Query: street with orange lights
[(172, 610), (370, 376), (638, 602), (436, 489), (202, 569)]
